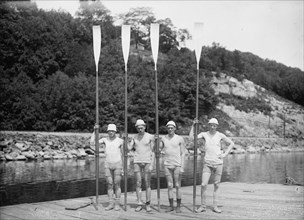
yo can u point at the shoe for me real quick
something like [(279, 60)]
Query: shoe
[(109, 207), (170, 209), (148, 208), (117, 207), (138, 208), (178, 206), (217, 210), (202, 208)]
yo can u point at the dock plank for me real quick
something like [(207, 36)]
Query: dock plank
[(8, 217), (23, 212), (237, 201)]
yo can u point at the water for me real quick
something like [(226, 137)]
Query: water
[(37, 181)]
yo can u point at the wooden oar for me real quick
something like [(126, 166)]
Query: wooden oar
[(96, 48), (154, 34), (125, 43), (198, 27)]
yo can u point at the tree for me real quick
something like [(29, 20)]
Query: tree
[(95, 13), (182, 36), (140, 19), (167, 35)]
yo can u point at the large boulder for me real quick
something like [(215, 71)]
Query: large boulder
[(251, 149), (81, 153), (29, 155), (11, 156)]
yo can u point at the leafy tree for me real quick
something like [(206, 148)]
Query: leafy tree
[(182, 36), (140, 19), (95, 13), (19, 109), (167, 35)]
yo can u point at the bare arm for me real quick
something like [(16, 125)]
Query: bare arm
[(201, 144), (183, 152), (92, 142), (231, 144), (191, 133), (130, 144), (161, 144), (122, 152), (152, 145)]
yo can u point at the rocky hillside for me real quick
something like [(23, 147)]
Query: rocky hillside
[(257, 112)]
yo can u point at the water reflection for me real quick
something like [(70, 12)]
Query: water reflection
[(34, 181)]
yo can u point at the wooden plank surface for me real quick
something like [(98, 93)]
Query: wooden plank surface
[(237, 201)]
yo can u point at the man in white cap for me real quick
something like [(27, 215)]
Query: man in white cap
[(213, 160), (113, 148), (143, 145), (173, 147)]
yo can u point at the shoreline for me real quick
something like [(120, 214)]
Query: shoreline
[(21, 145)]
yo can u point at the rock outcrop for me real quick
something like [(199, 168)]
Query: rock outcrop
[(286, 118)]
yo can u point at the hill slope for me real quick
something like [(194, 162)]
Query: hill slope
[(254, 111)]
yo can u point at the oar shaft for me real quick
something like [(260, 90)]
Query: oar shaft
[(97, 140), (157, 140), (126, 138), (195, 141)]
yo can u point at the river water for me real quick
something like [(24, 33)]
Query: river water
[(36, 181)]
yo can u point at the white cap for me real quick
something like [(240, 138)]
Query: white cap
[(111, 127), (140, 122), (171, 123), (213, 121)]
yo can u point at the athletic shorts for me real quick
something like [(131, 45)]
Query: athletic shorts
[(172, 169), (214, 169), (141, 166), (115, 168)]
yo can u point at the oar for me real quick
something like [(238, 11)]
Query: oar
[(125, 42), (83, 206), (154, 34), (96, 48), (198, 27)]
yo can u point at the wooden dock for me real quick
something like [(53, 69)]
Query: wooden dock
[(237, 201)]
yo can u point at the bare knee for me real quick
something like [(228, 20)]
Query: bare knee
[(138, 183), (117, 184), (110, 185), (170, 185), (204, 185), (148, 185), (216, 184)]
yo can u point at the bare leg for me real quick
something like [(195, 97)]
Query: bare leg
[(110, 193), (215, 197), (170, 191), (217, 180), (148, 186), (110, 188), (138, 187), (117, 191), (177, 179), (170, 186), (205, 180), (148, 190)]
